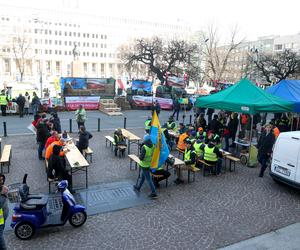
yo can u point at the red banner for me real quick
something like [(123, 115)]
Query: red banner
[(146, 101), (88, 102)]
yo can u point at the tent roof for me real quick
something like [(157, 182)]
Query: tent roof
[(288, 90), (245, 97)]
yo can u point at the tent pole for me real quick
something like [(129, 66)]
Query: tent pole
[(250, 142), (292, 121)]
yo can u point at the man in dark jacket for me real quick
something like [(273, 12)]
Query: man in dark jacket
[(215, 126), (265, 146), (232, 127), (209, 114), (84, 137), (3, 209), (176, 108), (56, 122), (21, 103), (42, 134)]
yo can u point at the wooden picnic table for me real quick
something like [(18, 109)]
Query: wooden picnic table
[(76, 160), (131, 139)]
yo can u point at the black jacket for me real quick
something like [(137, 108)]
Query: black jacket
[(42, 132), (83, 142), (21, 101), (215, 126), (265, 144), (233, 126), (56, 123)]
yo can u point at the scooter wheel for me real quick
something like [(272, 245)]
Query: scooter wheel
[(24, 230), (78, 219), (244, 159)]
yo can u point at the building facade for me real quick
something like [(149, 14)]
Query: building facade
[(40, 42)]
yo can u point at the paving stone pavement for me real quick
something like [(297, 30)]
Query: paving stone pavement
[(210, 213)]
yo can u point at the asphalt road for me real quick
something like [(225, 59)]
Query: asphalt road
[(134, 119)]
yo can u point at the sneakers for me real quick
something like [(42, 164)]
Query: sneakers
[(136, 188), (152, 196)]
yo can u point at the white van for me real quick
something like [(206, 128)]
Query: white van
[(285, 165)]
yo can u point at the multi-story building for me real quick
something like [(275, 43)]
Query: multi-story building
[(51, 36)]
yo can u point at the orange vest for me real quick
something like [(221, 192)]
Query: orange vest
[(181, 143), (276, 132), (49, 150)]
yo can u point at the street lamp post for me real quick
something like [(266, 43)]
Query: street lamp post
[(36, 20)]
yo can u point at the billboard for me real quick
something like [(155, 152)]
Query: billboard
[(174, 81), (146, 101), (141, 84), (88, 102), (76, 86)]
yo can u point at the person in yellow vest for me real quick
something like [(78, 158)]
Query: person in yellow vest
[(119, 139), (145, 162), (148, 125), (3, 102), (189, 159), (197, 147), (212, 155), (171, 124), (3, 209)]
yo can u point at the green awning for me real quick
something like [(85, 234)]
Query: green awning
[(245, 97)]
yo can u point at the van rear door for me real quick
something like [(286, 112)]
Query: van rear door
[(285, 157)]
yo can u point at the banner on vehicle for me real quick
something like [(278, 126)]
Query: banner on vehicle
[(175, 81), (146, 101), (88, 102), (140, 84), (76, 86)]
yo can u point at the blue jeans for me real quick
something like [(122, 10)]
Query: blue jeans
[(2, 241), (35, 109), (146, 175)]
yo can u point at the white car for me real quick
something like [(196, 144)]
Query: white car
[(190, 90)]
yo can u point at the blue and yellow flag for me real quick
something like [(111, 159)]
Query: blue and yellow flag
[(161, 150)]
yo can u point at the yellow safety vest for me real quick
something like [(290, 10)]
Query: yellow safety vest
[(3, 100), (147, 124), (198, 151), (146, 162), (1, 217), (187, 156), (209, 154)]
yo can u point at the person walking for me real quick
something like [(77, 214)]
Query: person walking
[(27, 102), (21, 103), (3, 102), (145, 158), (176, 108), (35, 103), (80, 115), (3, 210), (265, 145), (156, 107)]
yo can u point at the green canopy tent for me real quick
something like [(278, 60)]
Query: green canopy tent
[(245, 97)]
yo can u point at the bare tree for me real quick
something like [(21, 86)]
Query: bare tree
[(278, 65), (161, 57), (21, 47), (217, 56)]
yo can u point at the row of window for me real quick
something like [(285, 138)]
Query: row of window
[(70, 43), (69, 33), (59, 52)]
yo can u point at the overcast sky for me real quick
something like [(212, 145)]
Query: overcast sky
[(254, 17)]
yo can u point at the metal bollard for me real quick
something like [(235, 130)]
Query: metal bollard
[(183, 117), (190, 119), (125, 122), (4, 129), (70, 125), (98, 124)]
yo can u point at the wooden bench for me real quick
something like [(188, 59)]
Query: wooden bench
[(232, 159), (190, 170), (111, 141), (134, 158), (88, 152), (6, 157), (50, 181), (208, 166)]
